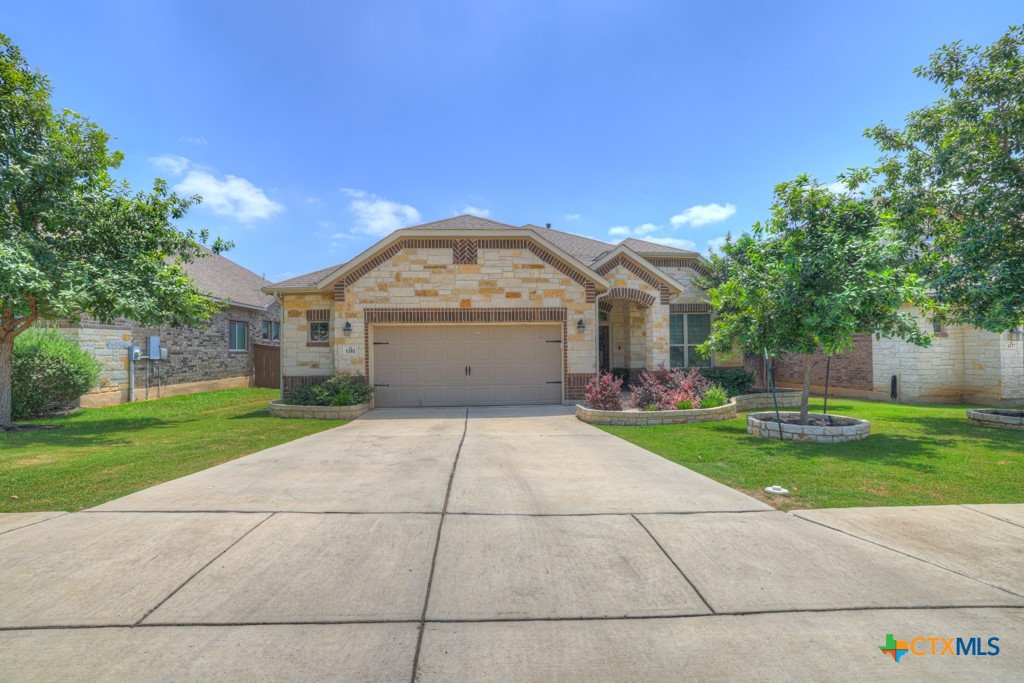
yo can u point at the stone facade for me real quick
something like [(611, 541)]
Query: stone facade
[(425, 278), (280, 409), (198, 357)]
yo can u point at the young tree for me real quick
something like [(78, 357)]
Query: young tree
[(822, 268), (954, 178), (72, 239)]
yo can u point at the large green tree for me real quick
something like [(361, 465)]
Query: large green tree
[(954, 178), (821, 269), (73, 240)]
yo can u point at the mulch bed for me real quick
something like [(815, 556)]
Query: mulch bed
[(814, 420)]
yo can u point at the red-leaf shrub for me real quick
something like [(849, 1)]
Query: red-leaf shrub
[(604, 392), (665, 389)]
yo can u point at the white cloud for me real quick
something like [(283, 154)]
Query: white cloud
[(193, 140), (715, 243), (620, 231), (572, 216), (672, 242), (476, 211), (171, 163), (378, 216), (703, 214), (229, 196), (639, 231)]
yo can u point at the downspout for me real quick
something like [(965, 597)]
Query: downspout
[(597, 334), (280, 343)]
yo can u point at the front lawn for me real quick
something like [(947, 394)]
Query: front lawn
[(105, 453), (916, 455)]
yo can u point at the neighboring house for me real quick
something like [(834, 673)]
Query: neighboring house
[(962, 365), (469, 311), (218, 355)]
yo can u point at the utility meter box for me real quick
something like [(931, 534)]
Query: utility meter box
[(163, 353), (153, 348), (135, 352)]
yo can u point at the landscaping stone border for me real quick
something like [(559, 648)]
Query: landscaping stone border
[(788, 398), (992, 418), (279, 409), (758, 424), (655, 417)]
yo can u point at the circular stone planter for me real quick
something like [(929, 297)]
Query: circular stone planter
[(655, 417), (997, 417), (279, 409), (844, 428)]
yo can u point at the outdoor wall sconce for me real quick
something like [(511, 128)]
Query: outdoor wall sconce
[(347, 329), (580, 326)]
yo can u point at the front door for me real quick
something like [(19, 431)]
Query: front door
[(604, 348)]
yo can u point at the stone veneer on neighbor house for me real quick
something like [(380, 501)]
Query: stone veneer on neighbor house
[(198, 358), (962, 364)]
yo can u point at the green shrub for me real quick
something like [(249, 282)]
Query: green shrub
[(684, 405), (714, 397), (340, 390), (621, 373), (50, 371), (735, 381)]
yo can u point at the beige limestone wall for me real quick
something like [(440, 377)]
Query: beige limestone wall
[(427, 278), (648, 327), (297, 357), (964, 364), (685, 276)]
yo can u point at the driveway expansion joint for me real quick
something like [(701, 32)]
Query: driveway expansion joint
[(198, 571), (981, 512), (913, 557), (678, 568), (437, 546)]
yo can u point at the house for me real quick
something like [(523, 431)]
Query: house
[(470, 311), (962, 365), (217, 355)]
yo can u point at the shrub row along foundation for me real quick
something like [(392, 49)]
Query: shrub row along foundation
[(742, 403)]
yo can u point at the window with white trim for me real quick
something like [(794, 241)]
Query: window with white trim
[(686, 331), (238, 336)]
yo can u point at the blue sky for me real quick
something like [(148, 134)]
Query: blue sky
[(312, 129)]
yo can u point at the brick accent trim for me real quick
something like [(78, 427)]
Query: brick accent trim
[(693, 264), (319, 315), (421, 316), (633, 267), (630, 294), (689, 308), (576, 385), (604, 306), (464, 252), (591, 292), (449, 243), (664, 294), (339, 291)]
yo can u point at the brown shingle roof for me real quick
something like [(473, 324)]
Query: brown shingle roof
[(586, 249), (222, 278), (645, 247)]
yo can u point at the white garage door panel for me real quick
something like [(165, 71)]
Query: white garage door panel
[(427, 365)]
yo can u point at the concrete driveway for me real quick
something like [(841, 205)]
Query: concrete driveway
[(496, 544)]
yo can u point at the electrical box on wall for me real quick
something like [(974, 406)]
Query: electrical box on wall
[(163, 353), (135, 352), (153, 347)]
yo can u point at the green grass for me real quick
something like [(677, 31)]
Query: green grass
[(105, 453), (916, 455)]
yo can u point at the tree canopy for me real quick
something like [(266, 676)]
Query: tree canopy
[(73, 239), (821, 269), (953, 177)]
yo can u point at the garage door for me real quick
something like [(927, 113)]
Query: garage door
[(467, 365)]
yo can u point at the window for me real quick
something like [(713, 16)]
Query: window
[(238, 336), (686, 331), (602, 316), (938, 329), (271, 331), (319, 332)]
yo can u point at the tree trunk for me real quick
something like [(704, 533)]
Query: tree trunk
[(6, 369), (806, 393)]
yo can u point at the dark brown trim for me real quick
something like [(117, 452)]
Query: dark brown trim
[(689, 308), (633, 267), (320, 315), (464, 252), (630, 294), (667, 262)]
